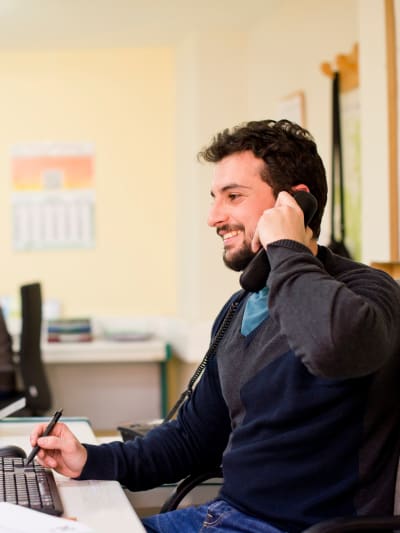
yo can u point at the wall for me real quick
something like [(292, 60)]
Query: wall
[(305, 34), (220, 79), (239, 78), (374, 121), (123, 101), (286, 54), (212, 85), (235, 79)]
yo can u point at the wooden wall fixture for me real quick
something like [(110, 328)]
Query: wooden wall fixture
[(393, 128), (347, 66), (392, 266)]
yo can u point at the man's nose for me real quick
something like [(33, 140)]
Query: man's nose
[(216, 215)]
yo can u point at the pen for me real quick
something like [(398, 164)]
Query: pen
[(47, 432)]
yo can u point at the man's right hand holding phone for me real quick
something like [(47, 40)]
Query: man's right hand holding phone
[(283, 221), (61, 450)]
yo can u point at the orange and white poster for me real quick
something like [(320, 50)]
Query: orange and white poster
[(53, 195)]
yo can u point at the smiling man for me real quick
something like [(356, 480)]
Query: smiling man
[(299, 404), (241, 203)]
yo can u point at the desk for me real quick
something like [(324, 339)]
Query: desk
[(101, 505), (131, 376)]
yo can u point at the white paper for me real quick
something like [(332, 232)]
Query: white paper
[(18, 519)]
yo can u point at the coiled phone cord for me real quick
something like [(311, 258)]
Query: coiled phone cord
[(211, 350)]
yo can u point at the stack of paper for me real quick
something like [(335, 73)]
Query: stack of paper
[(18, 519)]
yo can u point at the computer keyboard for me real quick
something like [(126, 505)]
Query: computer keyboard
[(31, 486)]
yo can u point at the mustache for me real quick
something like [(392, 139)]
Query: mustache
[(226, 228)]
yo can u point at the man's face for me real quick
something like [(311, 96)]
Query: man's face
[(240, 196)]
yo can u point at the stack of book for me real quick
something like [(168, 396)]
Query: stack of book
[(69, 330)]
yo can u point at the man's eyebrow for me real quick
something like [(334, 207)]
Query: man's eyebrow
[(230, 186)]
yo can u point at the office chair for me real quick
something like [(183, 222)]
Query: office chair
[(185, 486), (29, 364), (7, 370)]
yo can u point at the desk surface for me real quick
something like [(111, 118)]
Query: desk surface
[(102, 505)]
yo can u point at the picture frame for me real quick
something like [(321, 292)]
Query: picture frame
[(292, 107)]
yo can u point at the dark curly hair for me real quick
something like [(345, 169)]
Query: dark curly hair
[(288, 150)]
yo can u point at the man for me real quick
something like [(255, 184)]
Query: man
[(300, 402)]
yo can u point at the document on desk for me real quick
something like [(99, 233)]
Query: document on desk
[(18, 519)]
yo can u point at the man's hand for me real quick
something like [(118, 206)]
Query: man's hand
[(61, 450), (283, 221)]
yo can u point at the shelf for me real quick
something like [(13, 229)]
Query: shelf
[(101, 351)]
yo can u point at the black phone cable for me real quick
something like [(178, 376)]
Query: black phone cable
[(211, 351)]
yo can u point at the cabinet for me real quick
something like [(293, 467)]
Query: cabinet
[(108, 382)]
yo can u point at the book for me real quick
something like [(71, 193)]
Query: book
[(69, 330)]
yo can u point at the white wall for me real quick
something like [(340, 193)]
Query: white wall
[(286, 52), (211, 95), (227, 79), (222, 79), (374, 127)]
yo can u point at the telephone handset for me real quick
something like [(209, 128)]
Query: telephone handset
[(254, 276)]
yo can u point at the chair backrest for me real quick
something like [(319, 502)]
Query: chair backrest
[(8, 382), (396, 508), (35, 383)]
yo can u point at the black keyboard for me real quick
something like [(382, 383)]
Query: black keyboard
[(31, 486)]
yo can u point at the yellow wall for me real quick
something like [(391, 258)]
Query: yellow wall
[(122, 101)]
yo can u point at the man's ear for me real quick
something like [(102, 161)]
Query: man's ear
[(300, 187)]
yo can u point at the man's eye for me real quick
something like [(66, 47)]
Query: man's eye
[(233, 196)]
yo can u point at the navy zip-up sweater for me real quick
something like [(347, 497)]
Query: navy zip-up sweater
[(303, 413)]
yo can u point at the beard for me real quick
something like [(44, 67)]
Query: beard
[(240, 259)]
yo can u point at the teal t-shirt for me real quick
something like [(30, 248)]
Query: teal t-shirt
[(255, 312)]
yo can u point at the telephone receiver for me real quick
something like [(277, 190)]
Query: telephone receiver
[(254, 276)]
